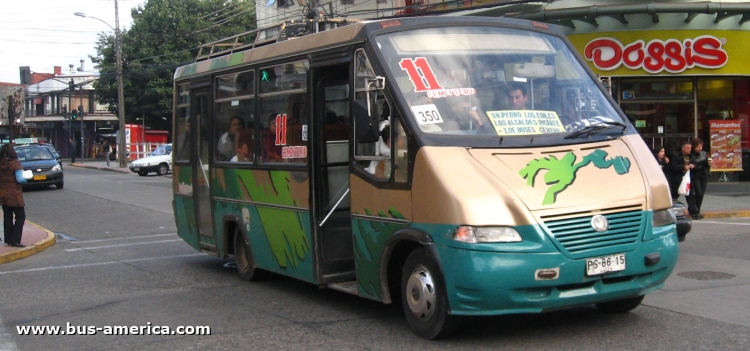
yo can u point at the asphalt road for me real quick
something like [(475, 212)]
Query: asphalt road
[(120, 263)]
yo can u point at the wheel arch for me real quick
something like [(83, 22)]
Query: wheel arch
[(397, 249), (229, 223)]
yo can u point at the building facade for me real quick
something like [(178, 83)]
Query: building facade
[(49, 102)]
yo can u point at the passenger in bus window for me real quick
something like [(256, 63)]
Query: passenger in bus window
[(465, 114), (382, 169), (226, 147), (245, 146)]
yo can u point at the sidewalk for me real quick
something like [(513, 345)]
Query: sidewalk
[(725, 200), (722, 200), (36, 239), (100, 164)]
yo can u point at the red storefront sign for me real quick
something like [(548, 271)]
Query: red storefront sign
[(657, 55)]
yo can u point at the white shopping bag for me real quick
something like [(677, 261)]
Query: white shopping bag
[(684, 188)]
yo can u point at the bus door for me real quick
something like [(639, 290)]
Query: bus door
[(333, 237), (201, 110)]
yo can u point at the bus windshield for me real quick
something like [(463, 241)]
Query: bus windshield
[(466, 81)]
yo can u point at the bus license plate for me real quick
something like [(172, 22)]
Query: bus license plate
[(605, 264), (40, 177)]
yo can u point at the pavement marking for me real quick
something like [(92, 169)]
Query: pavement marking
[(720, 223), (121, 245), (98, 264), (5, 341), (125, 238)]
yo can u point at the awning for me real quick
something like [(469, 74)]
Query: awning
[(28, 119)]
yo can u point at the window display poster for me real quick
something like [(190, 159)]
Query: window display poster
[(725, 149)]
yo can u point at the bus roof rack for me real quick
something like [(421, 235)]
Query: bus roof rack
[(268, 35)]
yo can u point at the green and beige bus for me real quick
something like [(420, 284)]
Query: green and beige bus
[(459, 166)]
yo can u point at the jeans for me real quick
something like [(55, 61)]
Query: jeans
[(13, 231)]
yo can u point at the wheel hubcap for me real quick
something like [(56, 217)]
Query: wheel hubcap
[(420, 293)]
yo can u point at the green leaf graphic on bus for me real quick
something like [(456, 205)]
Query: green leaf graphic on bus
[(562, 173), (369, 239), (283, 227)]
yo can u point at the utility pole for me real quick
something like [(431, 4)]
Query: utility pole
[(120, 92), (11, 116), (121, 152), (70, 107), (80, 114)]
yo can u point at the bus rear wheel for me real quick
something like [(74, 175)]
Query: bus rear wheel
[(243, 256), (424, 297), (620, 306)]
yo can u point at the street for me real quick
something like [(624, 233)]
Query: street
[(119, 262)]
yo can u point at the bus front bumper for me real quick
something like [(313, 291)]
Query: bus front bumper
[(495, 283)]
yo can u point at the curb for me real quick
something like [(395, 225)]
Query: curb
[(32, 249), (112, 169), (727, 214)]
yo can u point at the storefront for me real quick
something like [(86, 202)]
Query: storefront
[(673, 68)]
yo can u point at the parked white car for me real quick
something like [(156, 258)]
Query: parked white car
[(160, 161)]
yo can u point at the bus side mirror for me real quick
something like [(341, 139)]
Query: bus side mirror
[(365, 125)]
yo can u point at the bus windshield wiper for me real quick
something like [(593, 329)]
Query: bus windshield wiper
[(594, 128)]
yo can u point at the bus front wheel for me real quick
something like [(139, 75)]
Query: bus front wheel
[(620, 306), (243, 256), (424, 298)]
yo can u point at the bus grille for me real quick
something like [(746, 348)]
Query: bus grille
[(579, 239)]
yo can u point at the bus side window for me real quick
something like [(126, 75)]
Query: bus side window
[(182, 124)]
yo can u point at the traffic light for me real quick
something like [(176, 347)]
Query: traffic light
[(74, 115)]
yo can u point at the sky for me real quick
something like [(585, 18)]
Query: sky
[(43, 34)]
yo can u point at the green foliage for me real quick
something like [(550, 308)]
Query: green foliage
[(165, 35)]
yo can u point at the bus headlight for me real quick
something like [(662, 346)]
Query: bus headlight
[(664, 217), (470, 234)]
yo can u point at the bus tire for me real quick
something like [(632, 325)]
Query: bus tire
[(424, 297), (243, 256), (620, 306)]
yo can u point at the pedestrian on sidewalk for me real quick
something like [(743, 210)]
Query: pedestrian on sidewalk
[(11, 195), (72, 150), (699, 182), (107, 151), (660, 153), (682, 163)]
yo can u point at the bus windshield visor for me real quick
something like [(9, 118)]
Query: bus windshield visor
[(495, 81)]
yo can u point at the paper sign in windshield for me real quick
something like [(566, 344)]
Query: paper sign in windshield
[(426, 114), (521, 122)]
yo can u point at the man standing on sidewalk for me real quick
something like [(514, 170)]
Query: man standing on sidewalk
[(72, 150), (107, 151)]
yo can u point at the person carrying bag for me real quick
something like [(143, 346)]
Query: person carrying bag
[(11, 195), (684, 188)]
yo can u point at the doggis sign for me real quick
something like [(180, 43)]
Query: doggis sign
[(664, 52), (655, 56)]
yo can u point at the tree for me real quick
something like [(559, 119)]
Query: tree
[(165, 34)]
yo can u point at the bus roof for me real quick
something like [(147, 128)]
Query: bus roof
[(331, 38)]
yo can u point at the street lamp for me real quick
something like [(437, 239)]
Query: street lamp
[(121, 152)]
